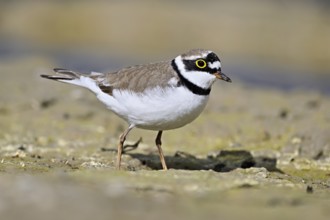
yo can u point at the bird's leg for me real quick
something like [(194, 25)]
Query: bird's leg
[(122, 139), (130, 147), (159, 144)]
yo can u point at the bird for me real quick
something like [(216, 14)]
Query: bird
[(158, 96)]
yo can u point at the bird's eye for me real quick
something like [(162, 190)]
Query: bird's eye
[(200, 63)]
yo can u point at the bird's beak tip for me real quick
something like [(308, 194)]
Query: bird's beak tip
[(222, 76)]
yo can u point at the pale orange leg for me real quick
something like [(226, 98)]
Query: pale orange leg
[(122, 139), (159, 144)]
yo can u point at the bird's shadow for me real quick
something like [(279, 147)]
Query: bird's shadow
[(224, 161)]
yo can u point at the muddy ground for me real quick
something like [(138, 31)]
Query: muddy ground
[(254, 153)]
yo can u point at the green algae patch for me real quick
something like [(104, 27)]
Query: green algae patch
[(309, 175)]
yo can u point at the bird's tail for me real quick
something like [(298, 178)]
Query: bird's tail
[(63, 75), (89, 81)]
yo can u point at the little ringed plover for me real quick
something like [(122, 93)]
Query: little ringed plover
[(158, 96)]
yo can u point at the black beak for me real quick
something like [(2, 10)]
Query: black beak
[(222, 76)]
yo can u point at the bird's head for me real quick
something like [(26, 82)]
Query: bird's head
[(200, 67)]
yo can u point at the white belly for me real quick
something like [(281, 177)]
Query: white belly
[(156, 109)]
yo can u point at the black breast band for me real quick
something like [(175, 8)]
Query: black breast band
[(192, 87)]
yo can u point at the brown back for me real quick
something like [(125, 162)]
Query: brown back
[(137, 78)]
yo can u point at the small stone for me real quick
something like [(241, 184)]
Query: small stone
[(22, 164), (296, 140), (36, 156), (47, 103), (22, 148), (19, 154), (319, 155), (309, 189), (283, 113)]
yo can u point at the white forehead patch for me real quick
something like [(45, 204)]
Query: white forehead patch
[(215, 65), (195, 57)]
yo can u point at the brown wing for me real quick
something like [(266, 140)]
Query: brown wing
[(138, 78)]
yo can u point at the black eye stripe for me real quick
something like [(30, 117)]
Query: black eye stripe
[(194, 65), (190, 65)]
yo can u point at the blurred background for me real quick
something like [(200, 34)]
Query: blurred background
[(260, 145), (282, 44)]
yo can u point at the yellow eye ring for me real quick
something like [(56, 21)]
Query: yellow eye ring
[(200, 63)]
